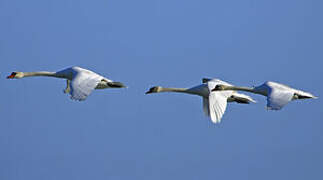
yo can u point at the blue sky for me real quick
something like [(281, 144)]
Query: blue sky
[(124, 134)]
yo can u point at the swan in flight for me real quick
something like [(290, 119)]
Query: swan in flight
[(278, 95), (80, 82), (214, 103)]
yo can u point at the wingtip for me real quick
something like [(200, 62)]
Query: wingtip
[(273, 108), (216, 121), (205, 80)]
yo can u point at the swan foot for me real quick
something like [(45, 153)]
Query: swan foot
[(68, 88)]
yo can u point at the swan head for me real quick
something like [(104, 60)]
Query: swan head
[(154, 89), (219, 87), (16, 75)]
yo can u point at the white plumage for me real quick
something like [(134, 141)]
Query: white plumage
[(214, 103), (80, 82), (278, 95), (218, 99)]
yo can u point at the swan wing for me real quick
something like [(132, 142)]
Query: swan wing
[(217, 106), (82, 84), (242, 98), (217, 101), (277, 98), (206, 106)]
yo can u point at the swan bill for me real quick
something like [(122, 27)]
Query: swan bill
[(148, 92), (154, 89), (151, 90), (12, 75)]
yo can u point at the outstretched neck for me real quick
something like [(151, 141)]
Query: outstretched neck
[(247, 89), (42, 73), (240, 88), (179, 90)]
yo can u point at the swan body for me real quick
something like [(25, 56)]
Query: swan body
[(80, 82), (214, 103), (278, 95)]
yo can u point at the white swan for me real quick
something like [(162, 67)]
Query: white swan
[(80, 82), (278, 95), (214, 103)]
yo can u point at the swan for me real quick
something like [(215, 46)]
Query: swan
[(278, 95), (214, 103), (80, 82)]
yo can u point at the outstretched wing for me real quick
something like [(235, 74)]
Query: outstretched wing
[(217, 101), (217, 106), (242, 98), (82, 84), (277, 98)]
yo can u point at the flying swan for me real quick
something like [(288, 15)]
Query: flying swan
[(214, 103), (80, 82), (278, 95)]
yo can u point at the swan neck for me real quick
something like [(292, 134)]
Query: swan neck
[(41, 73), (179, 90), (247, 89), (241, 88)]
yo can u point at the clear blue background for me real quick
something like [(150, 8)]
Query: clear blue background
[(124, 134)]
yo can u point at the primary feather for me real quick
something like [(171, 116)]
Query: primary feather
[(218, 99)]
